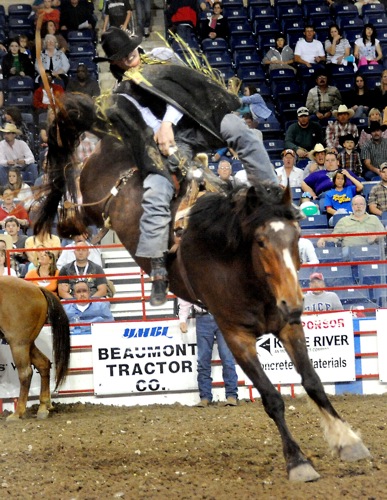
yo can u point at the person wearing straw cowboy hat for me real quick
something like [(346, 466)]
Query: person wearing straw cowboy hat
[(317, 160), (341, 126), (15, 153), (184, 111)]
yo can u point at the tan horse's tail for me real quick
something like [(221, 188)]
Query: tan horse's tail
[(60, 335)]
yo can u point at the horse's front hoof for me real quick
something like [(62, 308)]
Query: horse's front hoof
[(354, 452), (303, 472), (42, 414)]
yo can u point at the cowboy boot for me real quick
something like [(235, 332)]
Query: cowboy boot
[(159, 279)]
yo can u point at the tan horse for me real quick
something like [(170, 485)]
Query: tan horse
[(24, 309)]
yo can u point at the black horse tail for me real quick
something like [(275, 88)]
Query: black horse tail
[(60, 335), (75, 115)]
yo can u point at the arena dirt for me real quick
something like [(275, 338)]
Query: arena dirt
[(86, 451)]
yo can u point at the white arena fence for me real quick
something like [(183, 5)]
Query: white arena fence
[(143, 358)]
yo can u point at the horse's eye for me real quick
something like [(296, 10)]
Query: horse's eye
[(260, 242)]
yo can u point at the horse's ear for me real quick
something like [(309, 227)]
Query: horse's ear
[(287, 197), (251, 200)]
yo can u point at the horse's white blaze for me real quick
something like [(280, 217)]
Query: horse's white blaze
[(289, 263), (277, 226)]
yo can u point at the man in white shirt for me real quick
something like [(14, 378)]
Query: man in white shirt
[(15, 153), (289, 172), (309, 51), (68, 256)]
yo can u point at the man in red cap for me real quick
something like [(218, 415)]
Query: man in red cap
[(186, 112), (318, 299)]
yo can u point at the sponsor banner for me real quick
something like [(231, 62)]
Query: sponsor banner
[(9, 379), (143, 357), (381, 321), (330, 343)]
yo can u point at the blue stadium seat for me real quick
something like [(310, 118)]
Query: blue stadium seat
[(378, 20), (232, 3), (263, 89), (271, 27), (314, 222), (80, 36), (371, 274), (338, 275), (288, 10), (322, 30), (263, 14), (270, 130), (361, 124), (18, 83), (21, 99), (364, 252), (19, 10), (219, 44), (329, 254), (287, 109), (282, 74), (280, 88), (246, 58), (242, 43), (217, 60), (351, 23), (372, 8), (290, 25), (235, 13), (339, 71), (314, 12), (353, 297), (348, 11), (371, 70), (226, 73), (3, 38), (3, 21), (344, 84), (296, 193), (249, 74), (19, 24), (266, 41), (236, 165), (274, 146), (241, 27), (86, 49), (258, 3), (380, 296)]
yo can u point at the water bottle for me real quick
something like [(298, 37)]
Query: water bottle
[(77, 330)]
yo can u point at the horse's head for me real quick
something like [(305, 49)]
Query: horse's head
[(275, 233)]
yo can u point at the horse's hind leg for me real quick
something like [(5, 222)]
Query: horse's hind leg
[(21, 357), (338, 434), (43, 365), (243, 347)]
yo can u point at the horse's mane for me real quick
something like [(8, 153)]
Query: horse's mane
[(76, 114), (226, 224)]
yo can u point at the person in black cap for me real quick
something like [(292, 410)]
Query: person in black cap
[(323, 98), (188, 112), (374, 152), (348, 157)]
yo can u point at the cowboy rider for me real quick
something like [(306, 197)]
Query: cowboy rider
[(186, 109)]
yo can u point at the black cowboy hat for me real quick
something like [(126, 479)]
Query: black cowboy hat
[(117, 44), (347, 137), (375, 125)]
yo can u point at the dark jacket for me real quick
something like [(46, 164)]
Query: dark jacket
[(25, 61), (199, 98)]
